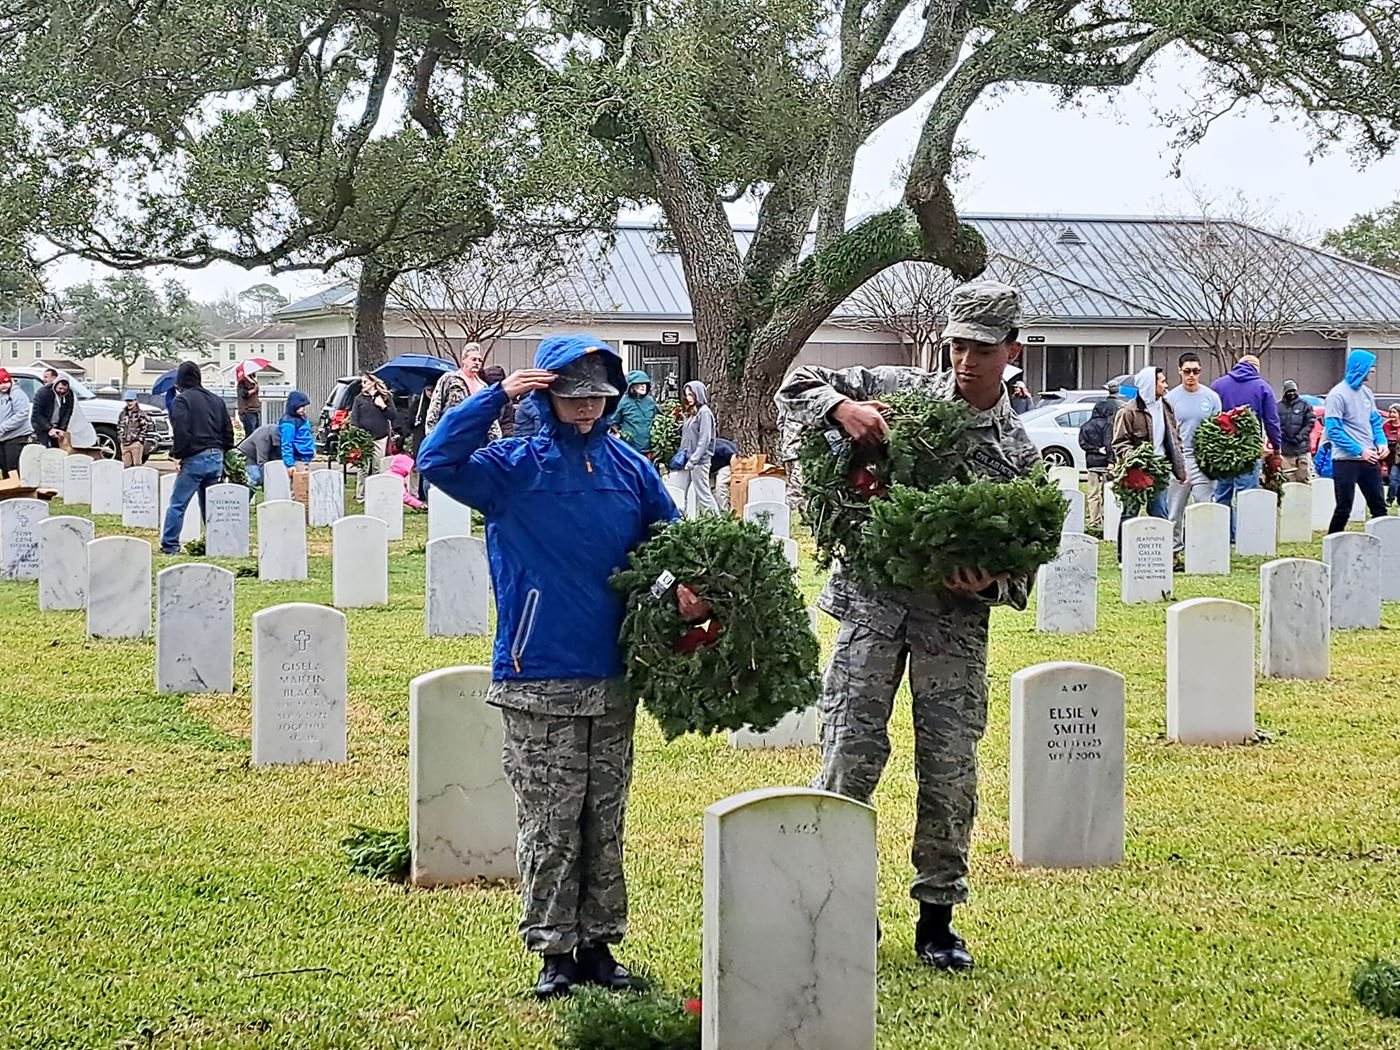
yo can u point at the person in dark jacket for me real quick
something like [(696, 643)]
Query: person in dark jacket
[(1295, 419), (249, 402), (491, 375), (563, 510), (1096, 439), (203, 432), (1021, 400), (637, 412), (51, 411), (373, 412), (527, 418)]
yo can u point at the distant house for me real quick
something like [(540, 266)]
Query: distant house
[(1105, 296), (38, 342), (275, 342)]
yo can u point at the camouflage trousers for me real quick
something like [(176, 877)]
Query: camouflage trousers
[(946, 658), (571, 775)]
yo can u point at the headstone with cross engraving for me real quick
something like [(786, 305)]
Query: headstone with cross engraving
[(299, 684), (19, 538)]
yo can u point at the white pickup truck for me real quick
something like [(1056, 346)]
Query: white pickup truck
[(101, 413)]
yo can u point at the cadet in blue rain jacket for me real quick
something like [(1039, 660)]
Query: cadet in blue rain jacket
[(563, 509)]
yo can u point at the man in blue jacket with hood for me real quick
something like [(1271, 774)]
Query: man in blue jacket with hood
[(563, 509), (1357, 433)]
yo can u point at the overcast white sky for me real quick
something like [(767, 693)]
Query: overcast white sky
[(1106, 157)]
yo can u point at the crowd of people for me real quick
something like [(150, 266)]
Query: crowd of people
[(1348, 440)]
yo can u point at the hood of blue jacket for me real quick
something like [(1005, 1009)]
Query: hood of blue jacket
[(1359, 365), (295, 400), (701, 392), (556, 351)]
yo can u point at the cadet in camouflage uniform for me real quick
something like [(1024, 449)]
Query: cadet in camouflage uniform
[(940, 636), (562, 509)]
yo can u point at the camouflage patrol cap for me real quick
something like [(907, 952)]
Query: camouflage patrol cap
[(984, 311)]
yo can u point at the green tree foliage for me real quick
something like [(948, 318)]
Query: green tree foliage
[(262, 301), (1372, 238), (124, 318)]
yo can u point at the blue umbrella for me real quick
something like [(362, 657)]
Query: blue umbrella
[(166, 385), (410, 373)]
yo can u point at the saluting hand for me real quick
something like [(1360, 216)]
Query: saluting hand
[(524, 380), (863, 420)]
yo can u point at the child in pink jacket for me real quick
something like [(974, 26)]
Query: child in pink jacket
[(402, 466)]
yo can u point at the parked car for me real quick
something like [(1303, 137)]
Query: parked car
[(102, 413), (1055, 431)]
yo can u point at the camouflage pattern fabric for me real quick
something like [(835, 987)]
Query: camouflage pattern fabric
[(985, 311), (571, 775), (940, 638)]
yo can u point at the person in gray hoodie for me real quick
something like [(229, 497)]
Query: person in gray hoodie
[(698, 445), (1357, 433), (15, 427), (259, 448)]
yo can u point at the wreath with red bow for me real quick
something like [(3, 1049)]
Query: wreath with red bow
[(1228, 445), (1141, 476)]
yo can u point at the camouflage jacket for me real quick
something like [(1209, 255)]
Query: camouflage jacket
[(1000, 449)]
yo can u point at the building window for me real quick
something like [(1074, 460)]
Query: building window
[(38, 347), (232, 352), (281, 351)]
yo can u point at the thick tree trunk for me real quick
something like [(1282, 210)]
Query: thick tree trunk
[(371, 347)]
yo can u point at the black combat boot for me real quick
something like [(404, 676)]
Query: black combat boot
[(936, 943), (557, 977), (596, 965)]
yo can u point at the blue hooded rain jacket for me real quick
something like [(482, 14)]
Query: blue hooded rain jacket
[(294, 432), (1352, 423), (562, 509)]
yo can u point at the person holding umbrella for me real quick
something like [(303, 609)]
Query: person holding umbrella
[(249, 397)]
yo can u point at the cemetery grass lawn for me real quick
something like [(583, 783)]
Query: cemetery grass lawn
[(160, 892)]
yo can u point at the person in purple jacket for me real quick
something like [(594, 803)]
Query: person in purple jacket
[(1243, 385)]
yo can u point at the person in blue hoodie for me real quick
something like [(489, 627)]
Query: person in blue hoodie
[(563, 509), (1357, 433), (294, 431)]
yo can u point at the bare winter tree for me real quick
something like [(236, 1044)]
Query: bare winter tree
[(1235, 278), (501, 290)]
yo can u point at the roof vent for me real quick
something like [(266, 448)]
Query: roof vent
[(1069, 235)]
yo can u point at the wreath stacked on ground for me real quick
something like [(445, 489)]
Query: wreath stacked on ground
[(912, 512), (666, 432), (750, 662), (1227, 445), (1141, 476), (354, 446)]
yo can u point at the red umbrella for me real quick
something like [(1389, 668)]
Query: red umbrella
[(246, 368)]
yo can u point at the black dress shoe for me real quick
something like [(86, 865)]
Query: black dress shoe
[(557, 977), (936, 943), (596, 965)]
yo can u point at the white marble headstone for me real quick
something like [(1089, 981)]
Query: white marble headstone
[(119, 588), (281, 540), (299, 684), (192, 525), (384, 500), (1387, 530), (1066, 479), (447, 517), (77, 479), (19, 537), (106, 483), (1208, 539), (1112, 514), (1295, 513), (1067, 765), (791, 551), (777, 514), (1210, 672), (1147, 560), (277, 482), (359, 562), (1354, 561), (1066, 589), (226, 534), (794, 729), (789, 922), (327, 497), (30, 465), (458, 599), (194, 629), (1074, 516), (140, 500), (63, 568), (1256, 533), (461, 823), (1324, 502), (1294, 619), (676, 486), (766, 490), (53, 467)]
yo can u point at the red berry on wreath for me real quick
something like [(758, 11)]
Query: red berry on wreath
[(1138, 479)]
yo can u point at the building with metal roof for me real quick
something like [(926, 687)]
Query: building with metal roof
[(1104, 295)]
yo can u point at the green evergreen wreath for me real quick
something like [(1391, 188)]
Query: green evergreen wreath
[(354, 446), (1141, 475), (1376, 986), (236, 467), (751, 663), (911, 512), (666, 433), (1229, 444)]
